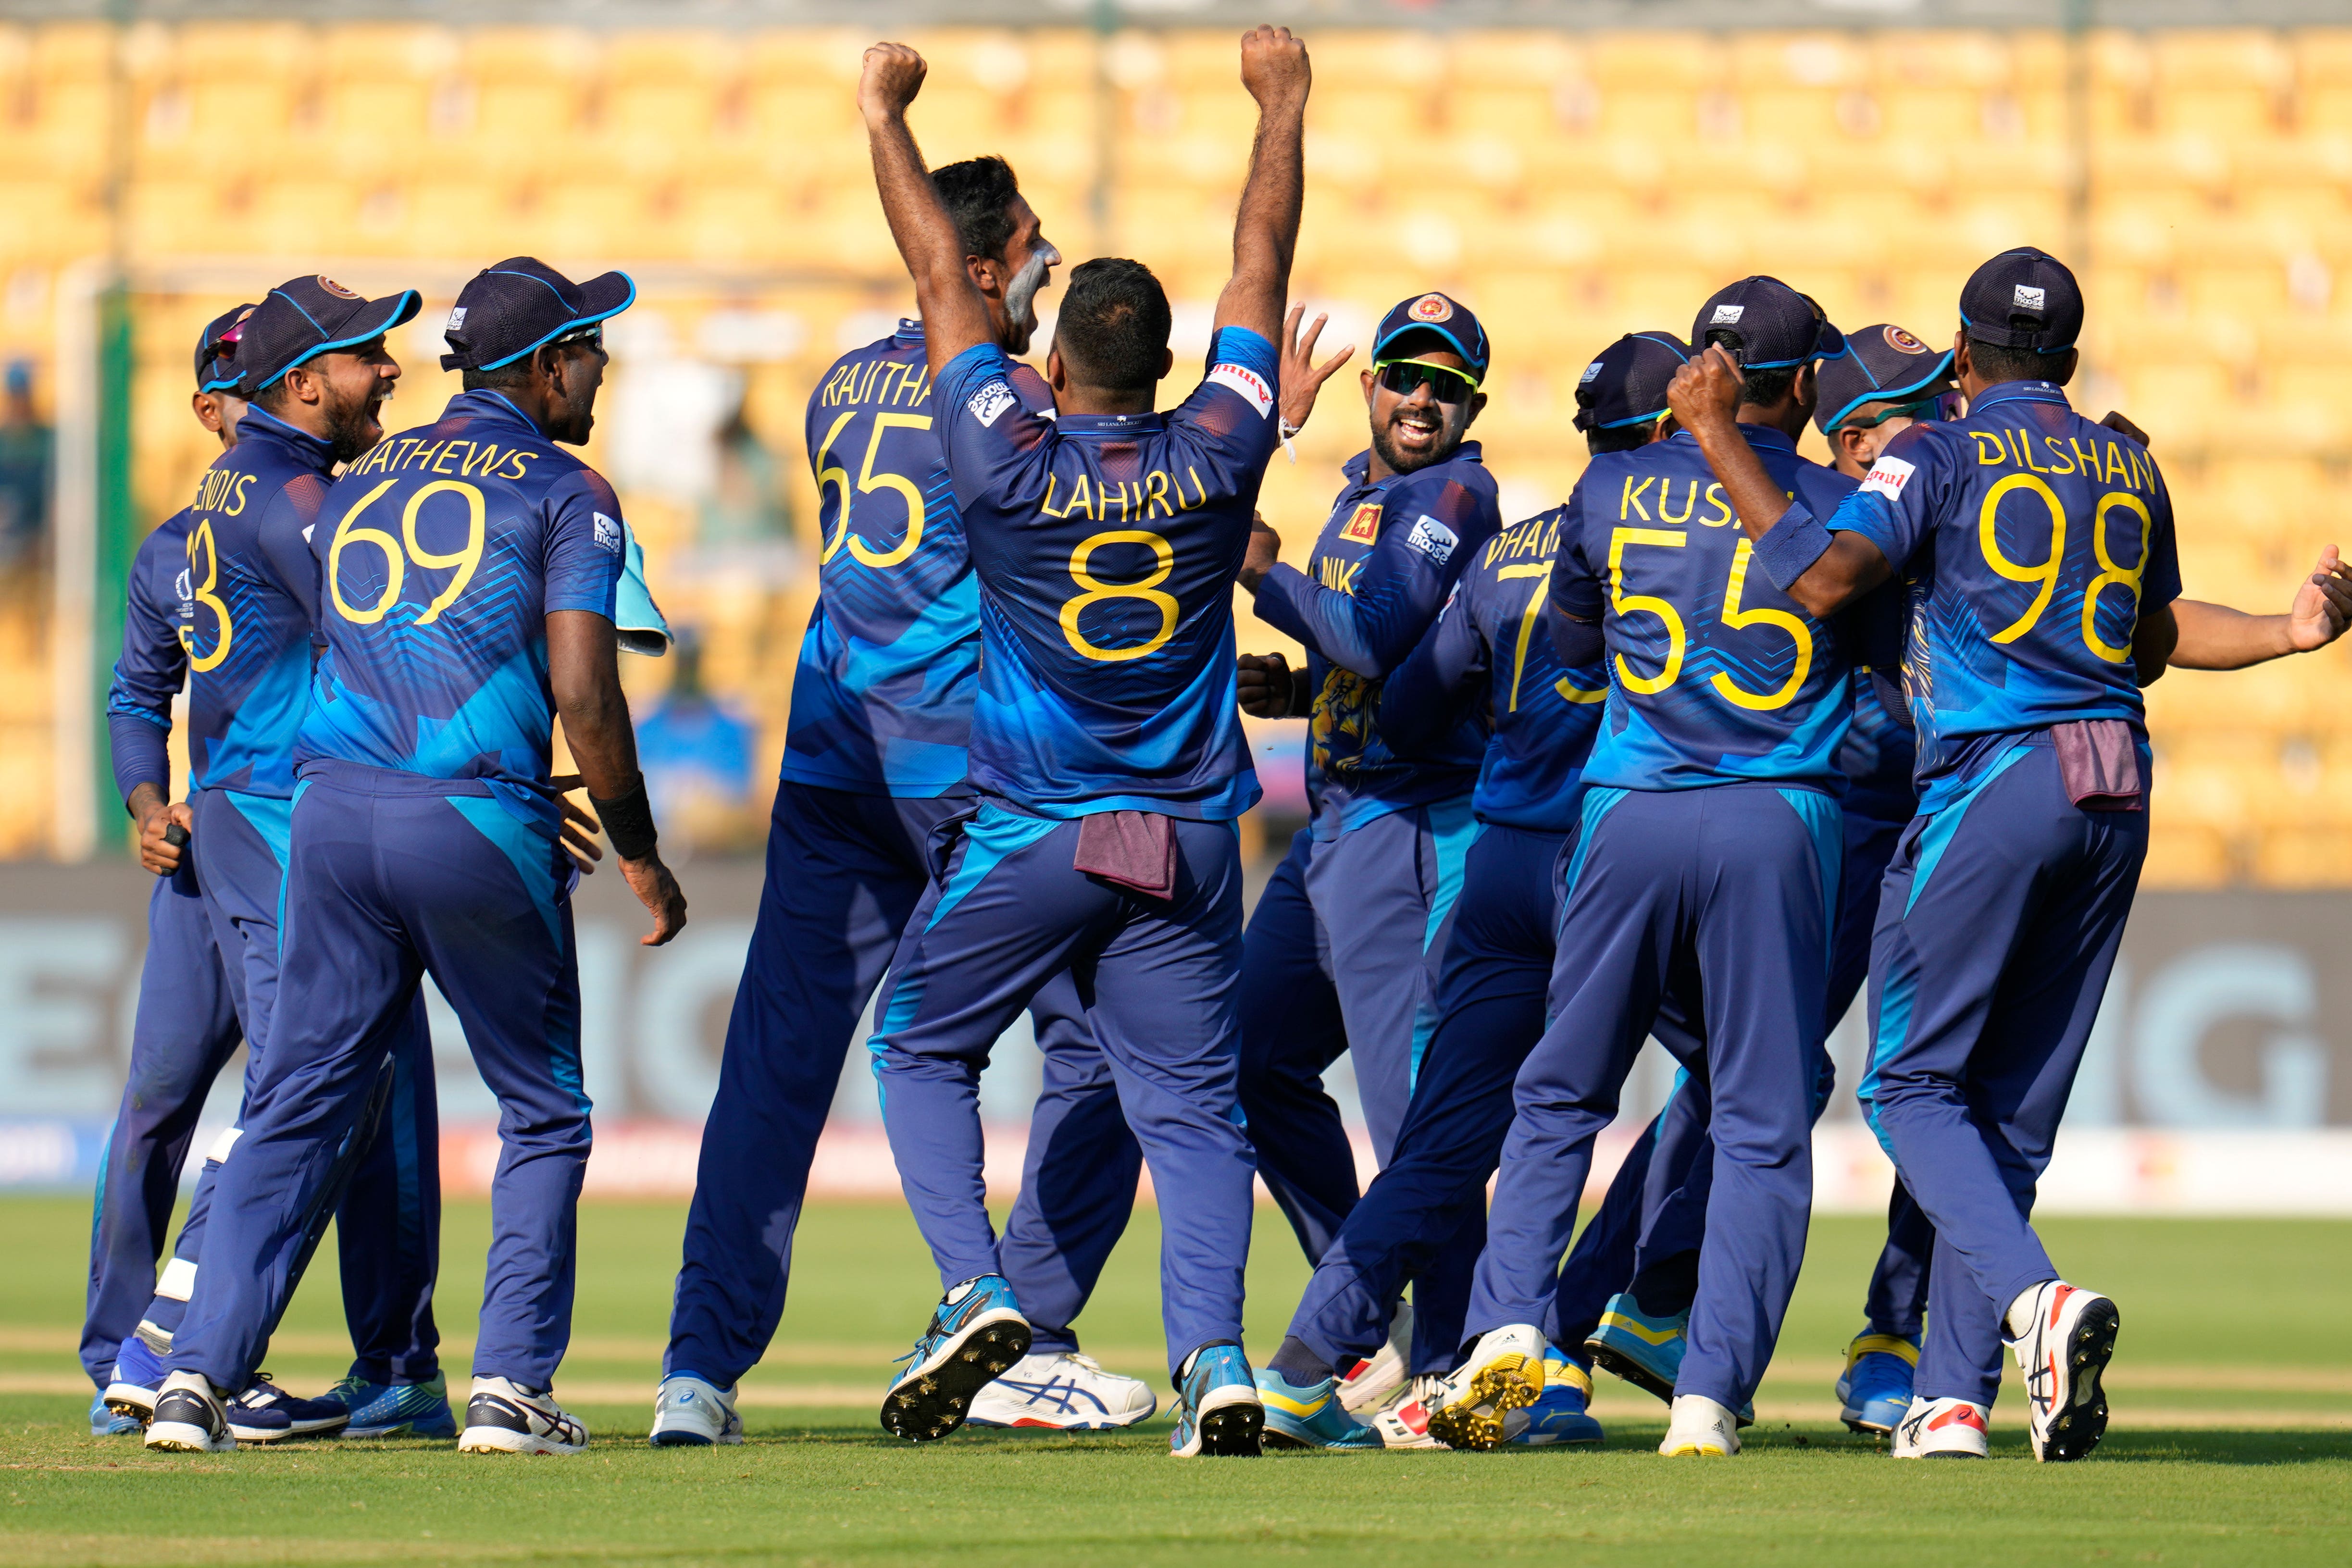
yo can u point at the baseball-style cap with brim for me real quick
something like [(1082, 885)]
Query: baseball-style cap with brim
[(1883, 364), (216, 350), (2023, 298), (1772, 326), (1432, 323), (522, 304), (305, 317), (1627, 384)]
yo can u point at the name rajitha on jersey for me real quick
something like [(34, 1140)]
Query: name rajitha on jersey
[(1490, 642), (251, 604), (2029, 541), (882, 698), (443, 549), (1389, 553), (1105, 547), (1714, 676)]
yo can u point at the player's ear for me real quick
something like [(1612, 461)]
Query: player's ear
[(1806, 387), (207, 411), (2063, 367), (1365, 377), (1057, 375), (984, 276), (1167, 363), (1477, 404)]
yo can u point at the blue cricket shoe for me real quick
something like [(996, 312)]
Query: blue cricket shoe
[(105, 1423), (396, 1409), (1875, 1388), (1646, 1351), (1218, 1410), (1558, 1414), (265, 1412), (1310, 1417), (975, 1332), (138, 1376)]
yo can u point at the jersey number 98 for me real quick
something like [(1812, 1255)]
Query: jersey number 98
[(2046, 573), (399, 552)]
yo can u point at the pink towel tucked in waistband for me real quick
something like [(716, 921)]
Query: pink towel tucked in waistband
[(2098, 758), (1135, 849)]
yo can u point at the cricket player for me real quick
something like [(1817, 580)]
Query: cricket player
[(875, 762), (1494, 959), (467, 593), (312, 369), (1337, 944), (1105, 751), (186, 1028), (1708, 845), (2037, 553)]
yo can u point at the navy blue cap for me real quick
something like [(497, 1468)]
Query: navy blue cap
[(216, 350), (305, 317), (1772, 325), (1627, 384), (521, 304), (1883, 364), (1443, 321), (2023, 298)]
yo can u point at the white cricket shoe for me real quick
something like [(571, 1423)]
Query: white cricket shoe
[(1064, 1391), (1369, 1384), (504, 1417), (690, 1413), (1941, 1429), (1403, 1421), (191, 1418), (1700, 1428), (1504, 1373), (2068, 1337)]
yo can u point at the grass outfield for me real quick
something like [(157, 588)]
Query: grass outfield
[(2220, 1453)]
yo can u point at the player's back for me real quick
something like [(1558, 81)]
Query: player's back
[(1544, 714), (882, 699), (443, 549), (2029, 538), (1105, 547), (252, 590), (1715, 676)]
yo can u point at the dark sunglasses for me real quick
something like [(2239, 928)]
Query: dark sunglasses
[(591, 335), (1406, 376), (1925, 412)]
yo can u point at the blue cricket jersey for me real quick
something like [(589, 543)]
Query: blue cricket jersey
[(2028, 538), (154, 661), (1105, 547), (1714, 676), (444, 549), (882, 699), (1490, 641), (1388, 555), (253, 592)]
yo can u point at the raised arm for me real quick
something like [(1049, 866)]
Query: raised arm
[(1705, 398), (955, 317), (2190, 634), (1265, 228)]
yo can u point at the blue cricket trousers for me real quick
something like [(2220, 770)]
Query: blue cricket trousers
[(1157, 980), (1737, 882), (845, 870), (391, 877), (1999, 924), (184, 1033)]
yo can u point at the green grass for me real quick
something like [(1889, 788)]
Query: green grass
[(2225, 1450)]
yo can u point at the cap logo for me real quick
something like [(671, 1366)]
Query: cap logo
[(1592, 373), (1432, 308), (2029, 298), (1727, 315), (456, 319), (336, 289), (1903, 342)]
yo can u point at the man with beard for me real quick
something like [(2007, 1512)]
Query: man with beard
[(311, 365), (873, 763), (469, 578), (1334, 953)]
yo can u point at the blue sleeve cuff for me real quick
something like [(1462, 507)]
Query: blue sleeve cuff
[(1790, 546), (1276, 603), (1244, 346), (142, 754)]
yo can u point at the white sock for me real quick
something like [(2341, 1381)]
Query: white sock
[(2019, 1318)]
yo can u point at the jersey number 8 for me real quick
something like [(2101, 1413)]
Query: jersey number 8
[(1147, 589), (395, 562)]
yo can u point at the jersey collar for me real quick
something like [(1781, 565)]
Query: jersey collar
[(298, 444), (1110, 424), (482, 403), (1763, 435), (2019, 391)]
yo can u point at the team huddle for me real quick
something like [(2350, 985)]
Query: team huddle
[(1721, 744)]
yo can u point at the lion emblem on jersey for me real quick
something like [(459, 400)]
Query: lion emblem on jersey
[(1341, 729), (1903, 342), (1432, 308)]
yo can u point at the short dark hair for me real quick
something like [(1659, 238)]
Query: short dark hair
[(979, 193), (1113, 329), (270, 399), (513, 374), (1994, 362), (1620, 438), (1763, 387)]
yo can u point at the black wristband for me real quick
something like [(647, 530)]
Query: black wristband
[(628, 822)]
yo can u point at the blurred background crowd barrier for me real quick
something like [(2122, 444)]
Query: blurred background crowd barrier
[(1574, 169)]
